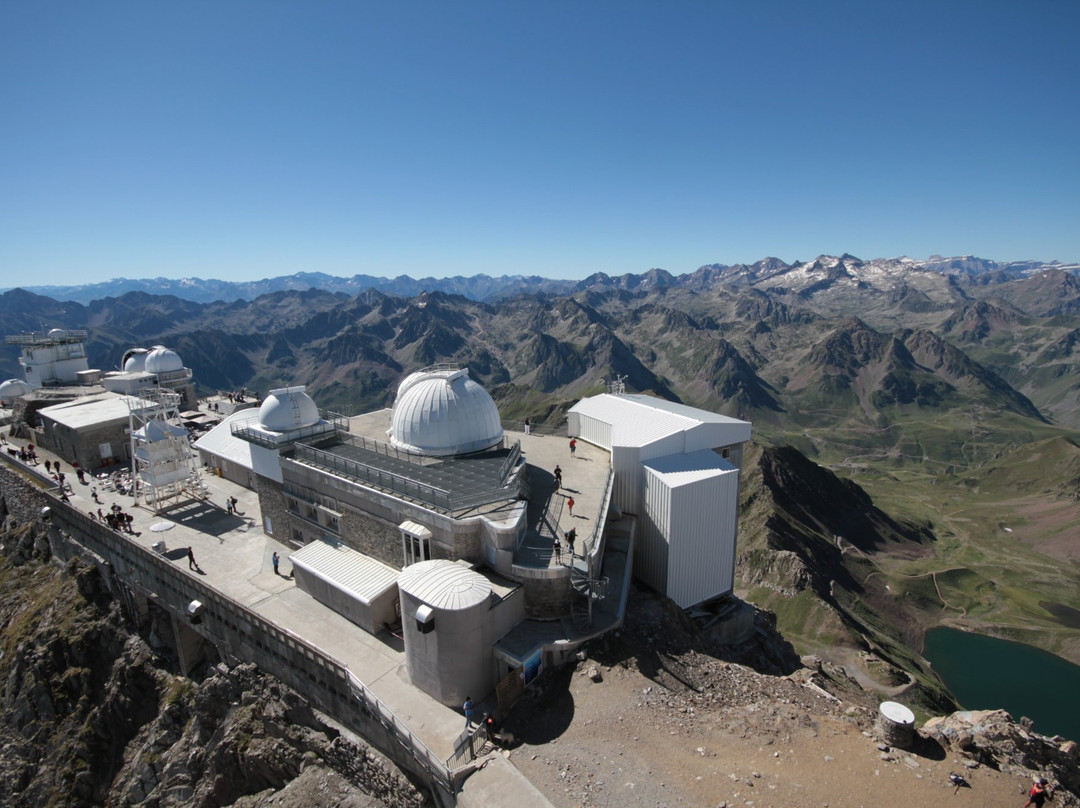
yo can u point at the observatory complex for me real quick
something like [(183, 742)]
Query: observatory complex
[(480, 553), (425, 514)]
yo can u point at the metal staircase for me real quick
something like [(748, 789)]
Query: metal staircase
[(589, 590)]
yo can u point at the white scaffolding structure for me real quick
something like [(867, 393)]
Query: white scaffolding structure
[(163, 465)]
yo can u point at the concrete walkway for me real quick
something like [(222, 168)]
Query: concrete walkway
[(233, 555)]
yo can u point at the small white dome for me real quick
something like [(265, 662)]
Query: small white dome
[(163, 360), (57, 333), (444, 412), (13, 388), (444, 585), (288, 408), (135, 360)]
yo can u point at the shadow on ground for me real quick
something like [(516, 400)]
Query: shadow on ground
[(544, 713)]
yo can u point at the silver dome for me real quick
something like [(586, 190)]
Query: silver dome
[(288, 408), (163, 360), (444, 412)]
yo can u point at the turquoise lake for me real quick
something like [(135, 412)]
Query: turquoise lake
[(985, 673)]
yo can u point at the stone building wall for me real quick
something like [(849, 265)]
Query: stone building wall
[(274, 510)]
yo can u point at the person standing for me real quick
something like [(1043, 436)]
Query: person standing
[(528, 426), (570, 505), (573, 446), (557, 547), (468, 708), (558, 478), (228, 506), (1039, 794), (275, 559), (571, 537)]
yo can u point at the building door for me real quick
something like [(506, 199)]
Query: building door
[(416, 548)]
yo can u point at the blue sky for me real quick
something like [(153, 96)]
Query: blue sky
[(243, 140)]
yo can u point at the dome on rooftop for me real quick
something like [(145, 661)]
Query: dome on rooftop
[(444, 412), (57, 333), (13, 388), (163, 360), (134, 360), (288, 408)]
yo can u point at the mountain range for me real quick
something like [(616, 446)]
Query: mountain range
[(905, 412), (486, 288)]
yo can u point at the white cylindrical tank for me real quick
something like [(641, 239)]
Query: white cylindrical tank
[(443, 609)]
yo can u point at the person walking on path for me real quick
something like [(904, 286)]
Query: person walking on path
[(571, 537), (570, 505), (275, 559), (557, 546), (573, 446), (191, 560), (468, 708), (558, 478), (1039, 794), (228, 506), (528, 426)]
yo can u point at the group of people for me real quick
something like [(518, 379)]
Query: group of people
[(571, 537), (27, 455), (117, 519)]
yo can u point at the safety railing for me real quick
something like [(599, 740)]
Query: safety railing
[(438, 498), (145, 569), (331, 422), (420, 751)]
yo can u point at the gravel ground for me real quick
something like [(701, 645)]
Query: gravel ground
[(647, 720)]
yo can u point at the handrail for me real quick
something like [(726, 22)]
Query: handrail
[(331, 422), (105, 537), (510, 461), (438, 498), (601, 517)]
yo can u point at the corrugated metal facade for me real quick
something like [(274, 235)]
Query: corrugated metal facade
[(701, 555), (629, 488), (589, 428), (687, 548), (670, 471)]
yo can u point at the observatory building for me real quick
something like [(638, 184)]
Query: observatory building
[(153, 367), (54, 358), (426, 514)]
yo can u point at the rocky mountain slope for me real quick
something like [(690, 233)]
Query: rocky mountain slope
[(93, 715)]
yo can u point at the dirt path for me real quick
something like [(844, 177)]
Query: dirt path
[(629, 741)]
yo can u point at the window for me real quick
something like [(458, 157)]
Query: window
[(415, 548)]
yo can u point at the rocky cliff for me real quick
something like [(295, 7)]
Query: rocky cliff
[(91, 714)]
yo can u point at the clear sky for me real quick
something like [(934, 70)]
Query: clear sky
[(243, 140)]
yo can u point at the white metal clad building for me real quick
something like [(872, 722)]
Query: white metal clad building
[(677, 554), (687, 547), (636, 428), (235, 457), (352, 584)]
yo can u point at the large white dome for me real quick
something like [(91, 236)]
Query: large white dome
[(13, 388), (444, 412), (163, 360), (288, 408), (135, 360)]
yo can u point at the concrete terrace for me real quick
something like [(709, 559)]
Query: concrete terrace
[(234, 557)]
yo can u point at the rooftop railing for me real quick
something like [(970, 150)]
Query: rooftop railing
[(330, 422), (433, 496)]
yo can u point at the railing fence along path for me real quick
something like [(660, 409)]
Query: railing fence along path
[(244, 634)]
